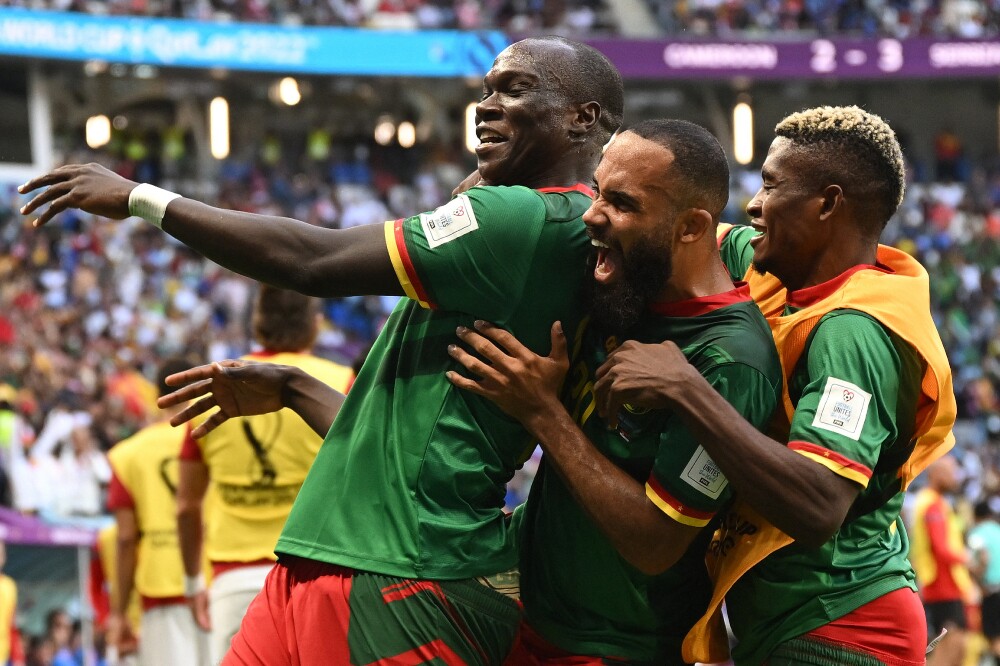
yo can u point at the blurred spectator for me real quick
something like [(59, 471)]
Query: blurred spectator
[(948, 155), (984, 545), (940, 562), (59, 634), (8, 608)]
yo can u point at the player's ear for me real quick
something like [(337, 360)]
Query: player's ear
[(833, 200), (585, 116), (692, 225)]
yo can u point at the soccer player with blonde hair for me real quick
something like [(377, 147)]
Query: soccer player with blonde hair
[(812, 558)]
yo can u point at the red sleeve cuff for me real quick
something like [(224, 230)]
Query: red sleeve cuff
[(674, 508), (837, 463), (189, 448), (118, 495)]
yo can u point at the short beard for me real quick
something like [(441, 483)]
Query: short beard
[(616, 308)]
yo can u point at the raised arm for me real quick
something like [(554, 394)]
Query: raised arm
[(280, 251), (526, 386), (244, 388)]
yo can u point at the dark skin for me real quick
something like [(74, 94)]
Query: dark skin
[(636, 204), (802, 498), (545, 141), (245, 388)]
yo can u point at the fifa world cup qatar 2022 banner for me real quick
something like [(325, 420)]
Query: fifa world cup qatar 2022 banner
[(246, 46), (806, 59)]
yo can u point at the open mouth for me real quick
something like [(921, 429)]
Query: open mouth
[(607, 262), (761, 230), (488, 137)]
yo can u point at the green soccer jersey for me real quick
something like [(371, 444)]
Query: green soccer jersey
[(578, 592), (855, 391), (410, 479)]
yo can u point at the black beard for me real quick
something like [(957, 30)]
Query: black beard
[(616, 308)]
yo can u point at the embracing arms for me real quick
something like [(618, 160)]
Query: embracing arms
[(526, 386), (801, 497)]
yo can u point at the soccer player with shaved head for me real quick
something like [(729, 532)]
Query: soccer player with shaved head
[(400, 519), (812, 558)]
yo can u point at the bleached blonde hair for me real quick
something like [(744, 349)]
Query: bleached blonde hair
[(857, 148)]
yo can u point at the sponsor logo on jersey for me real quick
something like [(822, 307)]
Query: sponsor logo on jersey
[(842, 408), (452, 220), (702, 473)]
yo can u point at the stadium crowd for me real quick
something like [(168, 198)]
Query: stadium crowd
[(691, 18), (87, 309)]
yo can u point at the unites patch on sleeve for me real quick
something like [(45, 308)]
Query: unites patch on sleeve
[(702, 473), (842, 408), (452, 220)]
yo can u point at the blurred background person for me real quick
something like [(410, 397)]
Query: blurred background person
[(148, 556), (256, 466), (940, 561), (984, 548)]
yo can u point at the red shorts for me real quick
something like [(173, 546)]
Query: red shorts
[(892, 628), (316, 614)]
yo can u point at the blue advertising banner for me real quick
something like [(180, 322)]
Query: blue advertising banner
[(247, 46)]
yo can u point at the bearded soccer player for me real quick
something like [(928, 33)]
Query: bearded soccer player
[(812, 559), (148, 557), (613, 545), (256, 466), (402, 511)]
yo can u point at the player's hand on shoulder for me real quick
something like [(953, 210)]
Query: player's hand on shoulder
[(522, 383), (236, 387), (88, 187), (637, 374)]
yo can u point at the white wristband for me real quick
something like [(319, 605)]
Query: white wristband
[(193, 585), (150, 203)]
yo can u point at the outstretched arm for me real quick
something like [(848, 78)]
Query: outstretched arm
[(244, 388), (526, 386), (277, 250), (801, 497)]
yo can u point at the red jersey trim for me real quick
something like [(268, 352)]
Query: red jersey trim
[(809, 295), (406, 273), (835, 462), (579, 187), (694, 307), (264, 353), (189, 448), (674, 508), (149, 603), (118, 495)]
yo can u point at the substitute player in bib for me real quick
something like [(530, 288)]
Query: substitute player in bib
[(941, 561), (148, 557), (613, 545), (867, 399), (256, 466), (401, 513)]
